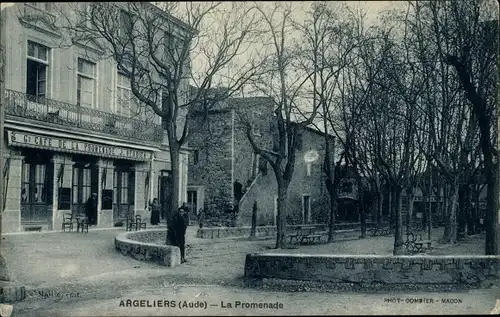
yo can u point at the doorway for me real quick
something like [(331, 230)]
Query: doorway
[(36, 189), (85, 174), (123, 193)]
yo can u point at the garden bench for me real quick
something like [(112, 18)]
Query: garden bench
[(383, 231), (311, 234), (310, 238), (415, 243), (296, 235)]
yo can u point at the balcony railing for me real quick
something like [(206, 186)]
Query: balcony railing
[(46, 110)]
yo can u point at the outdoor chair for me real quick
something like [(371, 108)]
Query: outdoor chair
[(130, 223), (67, 222), (82, 223), (415, 242), (138, 223)]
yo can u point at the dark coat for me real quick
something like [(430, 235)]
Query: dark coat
[(155, 213), (179, 225), (91, 210)]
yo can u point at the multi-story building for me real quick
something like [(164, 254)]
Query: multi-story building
[(71, 128), (223, 156)]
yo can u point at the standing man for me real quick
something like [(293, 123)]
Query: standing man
[(238, 194), (180, 221), (91, 209)]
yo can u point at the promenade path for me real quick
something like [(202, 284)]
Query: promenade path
[(82, 275)]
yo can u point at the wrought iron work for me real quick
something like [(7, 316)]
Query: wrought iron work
[(46, 110)]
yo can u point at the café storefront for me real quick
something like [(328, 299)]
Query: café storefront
[(50, 175)]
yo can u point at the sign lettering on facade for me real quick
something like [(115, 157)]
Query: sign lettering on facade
[(75, 146)]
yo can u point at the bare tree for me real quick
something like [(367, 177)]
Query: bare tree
[(455, 36), (155, 51), (328, 49), (281, 82)]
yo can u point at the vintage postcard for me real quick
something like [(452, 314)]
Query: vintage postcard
[(249, 158)]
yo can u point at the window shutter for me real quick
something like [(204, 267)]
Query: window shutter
[(131, 188), (49, 183)]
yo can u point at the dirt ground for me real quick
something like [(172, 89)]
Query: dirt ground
[(82, 275)]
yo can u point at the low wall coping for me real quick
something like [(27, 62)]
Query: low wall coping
[(359, 269), (144, 251), (373, 256)]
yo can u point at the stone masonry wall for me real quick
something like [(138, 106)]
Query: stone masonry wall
[(144, 246), (212, 139), (265, 189), (374, 268)]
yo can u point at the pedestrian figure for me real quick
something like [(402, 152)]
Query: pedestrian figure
[(185, 208), (201, 217), (180, 221), (155, 208), (91, 209)]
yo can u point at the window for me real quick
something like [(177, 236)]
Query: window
[(192, 198), (85, 89), (256, 122), (33, 183), (124, 186), (82, 183), (196, 156), (125, 25), (308, 169), (255, 164), (124, 97), (36, 70)]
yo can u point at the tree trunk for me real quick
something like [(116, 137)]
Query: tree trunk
[(362, 207), (491, 221), (476, 211), (333, 211), (464, 218), (450, 235), (174, 202), (429, 209), (398, 219), (380, 208), (282, 208), (444, 209), (362, 218), (389, 207), (411, 202), (254, 220)]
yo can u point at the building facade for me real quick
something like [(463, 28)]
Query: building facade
[(71, 130), (223, 159)]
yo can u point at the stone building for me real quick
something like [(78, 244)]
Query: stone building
[(222, 156), (70, 128)]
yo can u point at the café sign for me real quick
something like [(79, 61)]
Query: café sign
[(16, 138)]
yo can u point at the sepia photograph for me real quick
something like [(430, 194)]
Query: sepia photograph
[(247, 158)]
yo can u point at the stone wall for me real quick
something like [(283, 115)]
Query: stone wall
[(142, 246), (265, 190), (262, 231), (211, 138), (374, 268)]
